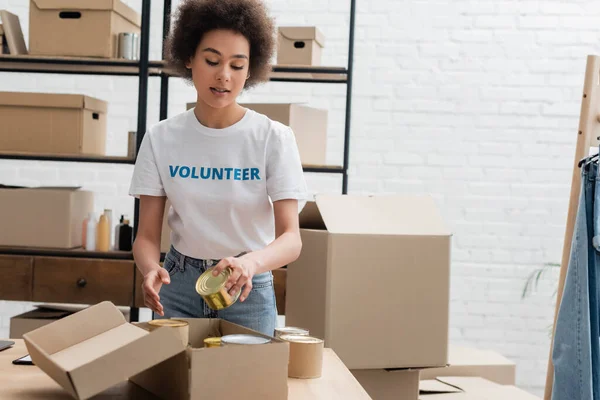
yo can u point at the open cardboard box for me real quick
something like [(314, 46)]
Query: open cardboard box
[(258, 372), (96, 348)]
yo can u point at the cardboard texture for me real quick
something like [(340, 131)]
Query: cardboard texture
[(95, 349), (381, 384), (13, 33), (369, 282), (260, 371), (299, 46), (469, 388), (43, 217), (309, 126), (52, 123), (44, 314), (76, 28), (466, 361)]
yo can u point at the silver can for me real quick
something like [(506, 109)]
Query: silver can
[(243, 339), (129, 44)]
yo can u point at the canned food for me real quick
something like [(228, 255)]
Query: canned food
[(213, 291), (290, 330), (212, 342), (129, 46), (240, 339), (179, 326)]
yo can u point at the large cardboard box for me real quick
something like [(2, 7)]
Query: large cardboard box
[(44, 216), (94, 349), (383, 384), (469, 388), (466, 361), (237, 372), (309, 125), (79, 28), (52, 123), (299, 45), (45, 314), (373, 280)]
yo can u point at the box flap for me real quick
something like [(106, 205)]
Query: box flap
[(469, 384), (434, 386), (24, 99), (97, 5), (303, 33), (459, 355), (42, 314), (379, 215), (42, 360)]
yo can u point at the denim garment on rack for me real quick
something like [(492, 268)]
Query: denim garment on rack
[(575, 352)]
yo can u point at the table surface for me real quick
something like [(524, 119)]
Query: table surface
[(27, 382)]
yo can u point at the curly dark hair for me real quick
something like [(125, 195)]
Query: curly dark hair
[(194, 18)]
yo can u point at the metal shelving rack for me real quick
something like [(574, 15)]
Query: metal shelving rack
[(144, 69)]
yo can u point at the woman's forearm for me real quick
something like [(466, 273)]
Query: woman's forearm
[(146, 254), (282, 251)]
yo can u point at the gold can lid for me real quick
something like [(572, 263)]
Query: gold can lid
[(208, 284), (212, 340), (300, 339), (173, 323)]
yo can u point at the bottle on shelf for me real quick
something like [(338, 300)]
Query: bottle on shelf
[(109, 216), (103, 234), (125, 236), (90, 239), (84, 231), (117, 228)]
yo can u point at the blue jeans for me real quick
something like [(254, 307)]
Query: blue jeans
[(180, 299), (576, 348)]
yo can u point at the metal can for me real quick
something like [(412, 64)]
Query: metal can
[(290, 330), (212, 342), (179, 326), (213, 291), (243, 339), (129, 46)]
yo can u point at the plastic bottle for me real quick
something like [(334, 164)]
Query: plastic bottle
[(117, 228), (103, 234), (109, 216), (125, 236), (90, 240), (84, 232)]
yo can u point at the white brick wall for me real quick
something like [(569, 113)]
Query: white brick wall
[(475, 102)]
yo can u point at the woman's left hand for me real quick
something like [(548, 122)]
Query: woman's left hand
[(242, 272)]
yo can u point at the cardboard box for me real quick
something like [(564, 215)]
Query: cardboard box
[(45, 314), (94, 349), (74, 28), (299, 45), (309, 125), (373, 280), (52, 123), (466, 361), (469, 388), (13, 35), (43, 217), (383, 384), (259, 372)]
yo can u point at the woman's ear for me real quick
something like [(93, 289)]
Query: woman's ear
[(188, 64)]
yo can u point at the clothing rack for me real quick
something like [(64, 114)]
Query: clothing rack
[(587, 138)]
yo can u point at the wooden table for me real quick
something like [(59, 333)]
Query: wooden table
[(27, 382)]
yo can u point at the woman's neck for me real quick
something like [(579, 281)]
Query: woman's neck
[(218, 118)]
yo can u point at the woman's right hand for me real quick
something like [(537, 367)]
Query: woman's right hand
[(153, 281)]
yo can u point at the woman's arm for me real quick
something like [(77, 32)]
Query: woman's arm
[(146, 247), (282, 251)]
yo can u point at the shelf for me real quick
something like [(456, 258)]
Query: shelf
[(286, 73), (333, 169), (70, 253), (71, 65), (67, 158)]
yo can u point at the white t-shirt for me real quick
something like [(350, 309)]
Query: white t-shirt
[(221, 182)]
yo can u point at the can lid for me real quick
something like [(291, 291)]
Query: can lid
[(244, 339), (173, 323), (207, 283), (300, 339), (292, 330)]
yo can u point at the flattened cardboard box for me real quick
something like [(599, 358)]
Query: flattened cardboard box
[(299, 45), (373, 280), (466, 361), (79, 28), (260, 371), (469, 388), (44, 216), (45, 314), (49, 123), (94, 349)]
